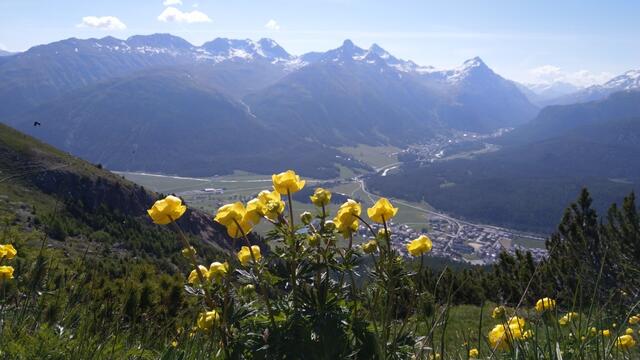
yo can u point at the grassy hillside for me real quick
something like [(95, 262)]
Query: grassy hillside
[(86, 200)]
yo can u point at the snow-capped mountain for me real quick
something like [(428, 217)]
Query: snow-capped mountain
[(629, 81), (222, 49), (542, 92)]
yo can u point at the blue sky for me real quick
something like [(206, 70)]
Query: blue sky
[(533, 41)]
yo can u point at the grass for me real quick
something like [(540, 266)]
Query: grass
[(375, 156)]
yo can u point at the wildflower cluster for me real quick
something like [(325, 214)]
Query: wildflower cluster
[(7, 252), (308, 268), (312, 286)]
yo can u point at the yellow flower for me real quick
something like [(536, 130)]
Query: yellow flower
[(231, 215), (346, 228), (473, 353), (498, 312), (194, 279), (8, 251), (321, 197), (634, 320), (419, 246), (503, 334), (625, 342), (6, 272), (545, 304), (629, 331), (348, 212), (217, 270), (287, 182), (346, 219), (498, 338), (207, 319), (244, 255), (567, 318), (254, 212), (370, 246), (605, 333), (516, 321), (382, 211), (593, 330), (167, 210), (271, 204), (174, 343)]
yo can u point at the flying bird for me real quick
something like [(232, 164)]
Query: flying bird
[(36, 123)]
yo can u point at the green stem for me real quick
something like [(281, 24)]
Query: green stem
[(194, 262), (259, 280)]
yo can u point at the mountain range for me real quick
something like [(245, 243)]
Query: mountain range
[(630, 80), (144, 102)]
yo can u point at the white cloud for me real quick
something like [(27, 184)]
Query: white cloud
[(102, 22), (550, 73), (172, 2), (272, 25), (172, 14)]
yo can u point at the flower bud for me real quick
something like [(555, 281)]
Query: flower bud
[(248, 290), (370, 247), (382, 233), (314, 239), (306, 217), (188, 253), (330, 226)]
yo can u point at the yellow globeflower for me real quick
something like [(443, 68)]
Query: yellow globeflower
[(217, 270), (517, 322), (629, 331), (348, 212), (321, 197), (346, 220), (605, 333), (347, 228), (8, 251), (167, 210), (474, 353), (207, 319), (370, 246), (231, 215), (635, 319), (272, 204), (502, 335), (545, 304), (567, 318), (6, 272), (244, 255), (194, 279), (287, 182), (498, 338), (419, 246), (382, 210), (625, 342)]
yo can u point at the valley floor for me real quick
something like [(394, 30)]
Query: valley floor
[(453, 238)]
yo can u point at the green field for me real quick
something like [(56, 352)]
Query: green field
[(375, 156)]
